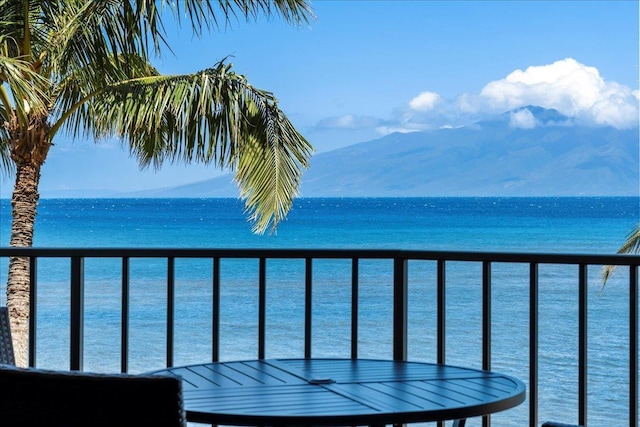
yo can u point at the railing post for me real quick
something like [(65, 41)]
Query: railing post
[(400, 306), (486, 315), (442, 307), (262, 307), (441, 280), (171, 291), (582, 344), (33, 296), (533, 343), (124, 319), (354, 306), (77, 314), (486, 325), (308, 306), (633, 346), (215, 311)]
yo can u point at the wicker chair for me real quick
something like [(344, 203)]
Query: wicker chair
[(6, 345), (34, 397)]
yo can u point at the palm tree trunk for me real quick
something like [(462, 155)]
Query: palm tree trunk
[(29, 150), (24, 203)]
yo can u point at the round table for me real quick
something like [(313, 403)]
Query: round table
[(332, 392)]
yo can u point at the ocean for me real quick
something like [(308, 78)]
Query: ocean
[(580, 225)]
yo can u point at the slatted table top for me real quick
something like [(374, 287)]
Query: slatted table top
[(324, 392)]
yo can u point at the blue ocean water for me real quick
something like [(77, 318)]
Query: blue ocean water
[(591, 225), (550, 225)]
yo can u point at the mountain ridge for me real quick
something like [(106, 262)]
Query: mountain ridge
[(529, 151)]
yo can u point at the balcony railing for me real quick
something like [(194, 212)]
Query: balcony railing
[(487, 308)]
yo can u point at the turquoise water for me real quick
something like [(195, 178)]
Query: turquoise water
[(553, 225), (589, 225)]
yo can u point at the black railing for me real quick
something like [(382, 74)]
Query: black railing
[(401, 288)]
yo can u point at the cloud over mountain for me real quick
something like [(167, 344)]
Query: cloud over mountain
[(575, 90), (572, 88), (523, 119), (426, 101)]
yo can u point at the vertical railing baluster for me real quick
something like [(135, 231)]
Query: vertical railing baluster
[(124, 313), (308, 306), (171, 290), (400, 307), (582, 344), (33, 320), (77, 314), (262, 307), (486, 315), (441, 277), (533, 343), (215, 311), (633, 346), (486, 325), (354, 306), (441, 280)]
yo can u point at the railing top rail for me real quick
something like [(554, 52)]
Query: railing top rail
[(515, 257)]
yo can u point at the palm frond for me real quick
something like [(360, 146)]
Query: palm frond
[(269, 171), (24, 85), (28, 29), (7, 167), (208, 14), (87, 33), (211, 117), (630, 246), (72, 109)]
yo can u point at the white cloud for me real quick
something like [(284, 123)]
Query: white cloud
[(348, 121), (425, 101), (386, 130), (523, 119), (572, 88)]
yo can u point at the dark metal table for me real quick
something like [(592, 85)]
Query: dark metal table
[(333, 392)]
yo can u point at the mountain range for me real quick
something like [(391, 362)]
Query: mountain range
[(530, 151)]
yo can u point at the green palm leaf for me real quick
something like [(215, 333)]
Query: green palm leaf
[(24, 94), (630, 246), (211, 117)]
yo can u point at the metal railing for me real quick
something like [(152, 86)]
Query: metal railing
[(400, 277)]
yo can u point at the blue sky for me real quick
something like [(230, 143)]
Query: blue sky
[(363, 69)]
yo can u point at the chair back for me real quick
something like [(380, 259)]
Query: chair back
[(7, 356), (35, 397)]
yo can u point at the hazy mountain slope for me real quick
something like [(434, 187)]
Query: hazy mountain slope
[(489, 158)]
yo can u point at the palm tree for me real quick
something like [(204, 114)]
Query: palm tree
[(630, 246), (83, 67)]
